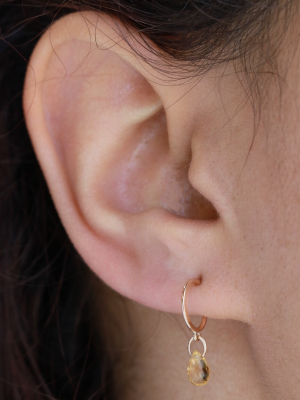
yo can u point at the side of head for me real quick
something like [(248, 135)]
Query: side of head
[(159, 176)]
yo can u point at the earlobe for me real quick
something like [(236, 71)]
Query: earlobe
[(101, 134)]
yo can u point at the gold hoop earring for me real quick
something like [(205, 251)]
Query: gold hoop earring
[(198, 369)]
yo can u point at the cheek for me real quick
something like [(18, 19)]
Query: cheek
[(267, 206), (268, 210), (251, 173)]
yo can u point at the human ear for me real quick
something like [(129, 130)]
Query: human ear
[(118, 162)]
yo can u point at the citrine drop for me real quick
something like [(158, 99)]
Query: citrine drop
[(198, 369)]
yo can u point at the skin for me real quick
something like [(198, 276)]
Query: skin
[(157, 182)]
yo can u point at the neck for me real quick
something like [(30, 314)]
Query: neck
[(153, 358)]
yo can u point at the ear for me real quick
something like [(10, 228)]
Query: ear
[(117, 161)]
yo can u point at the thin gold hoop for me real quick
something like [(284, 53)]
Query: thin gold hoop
[(191, 326)]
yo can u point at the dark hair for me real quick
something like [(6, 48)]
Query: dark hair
[(50, 346)]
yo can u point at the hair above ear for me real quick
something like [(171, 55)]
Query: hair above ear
[(118, 163)]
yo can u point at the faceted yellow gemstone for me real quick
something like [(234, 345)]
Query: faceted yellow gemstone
[(198, 369)]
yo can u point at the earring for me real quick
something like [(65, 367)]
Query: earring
[(198, 369)]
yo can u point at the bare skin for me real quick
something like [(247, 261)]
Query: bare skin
[(159, 182)]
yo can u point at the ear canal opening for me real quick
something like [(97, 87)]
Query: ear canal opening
[(198, 207), (191, 204)]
